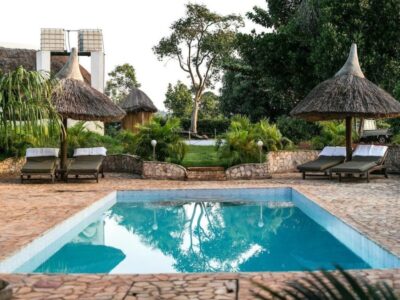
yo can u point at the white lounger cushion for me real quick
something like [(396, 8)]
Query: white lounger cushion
[(378, 150), (339, 151), (370, 150), (327, 151), (333, 151), (90, 151), (362, 150), (42, 152)]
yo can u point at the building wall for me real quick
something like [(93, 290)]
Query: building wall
[(131, 120)]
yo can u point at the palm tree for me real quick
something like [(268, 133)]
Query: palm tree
[(25, 104)]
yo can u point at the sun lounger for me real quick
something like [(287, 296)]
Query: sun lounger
[(365, 160), (87, 161), (39, 162), (328, 158)]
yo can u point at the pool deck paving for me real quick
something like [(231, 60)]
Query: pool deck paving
[(28, 211)]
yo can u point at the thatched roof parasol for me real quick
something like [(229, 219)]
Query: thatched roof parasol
[(12, 58), (348, 94), (77, 100), (138, 101)]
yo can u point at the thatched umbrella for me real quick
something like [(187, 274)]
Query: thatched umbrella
[(139, 109), (75, 99), (345, 96)]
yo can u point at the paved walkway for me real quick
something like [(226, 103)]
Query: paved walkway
[(28, 211)]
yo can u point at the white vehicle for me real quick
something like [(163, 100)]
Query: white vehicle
[(371, 133)]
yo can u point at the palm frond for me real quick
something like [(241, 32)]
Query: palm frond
[(326, 285)]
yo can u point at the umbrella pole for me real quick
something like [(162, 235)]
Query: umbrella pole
[(64, 146), (349, 148)]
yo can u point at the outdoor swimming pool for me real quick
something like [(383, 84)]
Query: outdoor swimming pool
[(224, 230)]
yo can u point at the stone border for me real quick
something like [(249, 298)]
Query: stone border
[(393, 159), (11, 165), (163, 170), (287, 161), (248, 171), (123, 163)]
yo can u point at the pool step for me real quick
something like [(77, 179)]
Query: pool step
[(206, 173)]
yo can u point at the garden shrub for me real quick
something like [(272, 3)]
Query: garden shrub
[(80, 137), (170, 146), (241, 140), (297, 130), (15, 143), (333, 133), (396, 139)]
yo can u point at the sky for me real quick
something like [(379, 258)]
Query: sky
[(130, 29)]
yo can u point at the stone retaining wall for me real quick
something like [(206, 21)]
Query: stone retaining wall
[(393, 159), (11, 165), (163, 170), (248, 171), (123, 163), (287, 161)]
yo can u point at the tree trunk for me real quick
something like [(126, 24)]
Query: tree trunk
[(64, 145), (195, 113), (349, 149)]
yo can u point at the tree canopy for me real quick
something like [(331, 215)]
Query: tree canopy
[(200, 42), (178, 100), (122, 79), (306, 42)]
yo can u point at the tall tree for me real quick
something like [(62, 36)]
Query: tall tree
[(178, 100), (201, 42), (122, 79)]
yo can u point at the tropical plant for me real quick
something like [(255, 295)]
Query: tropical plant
[(333, 133), (328, 286), (25, 106), (80, 137), (396, 139), (167, 137), (200, 42), (241, 139)]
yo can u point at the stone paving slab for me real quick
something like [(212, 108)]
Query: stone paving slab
[(29, 210), (164, 286)]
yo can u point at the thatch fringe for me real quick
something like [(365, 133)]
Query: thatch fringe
[(138, 101), (77, 100)]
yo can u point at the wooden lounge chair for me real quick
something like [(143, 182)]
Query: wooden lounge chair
[(39, 162), (328, 158), (87, 161), (365, 160)]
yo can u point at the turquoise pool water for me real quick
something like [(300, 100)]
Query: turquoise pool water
[(236, 230)]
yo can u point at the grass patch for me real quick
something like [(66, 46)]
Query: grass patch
[(202, 156)]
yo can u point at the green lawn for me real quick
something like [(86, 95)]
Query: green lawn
[(202, 156)]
